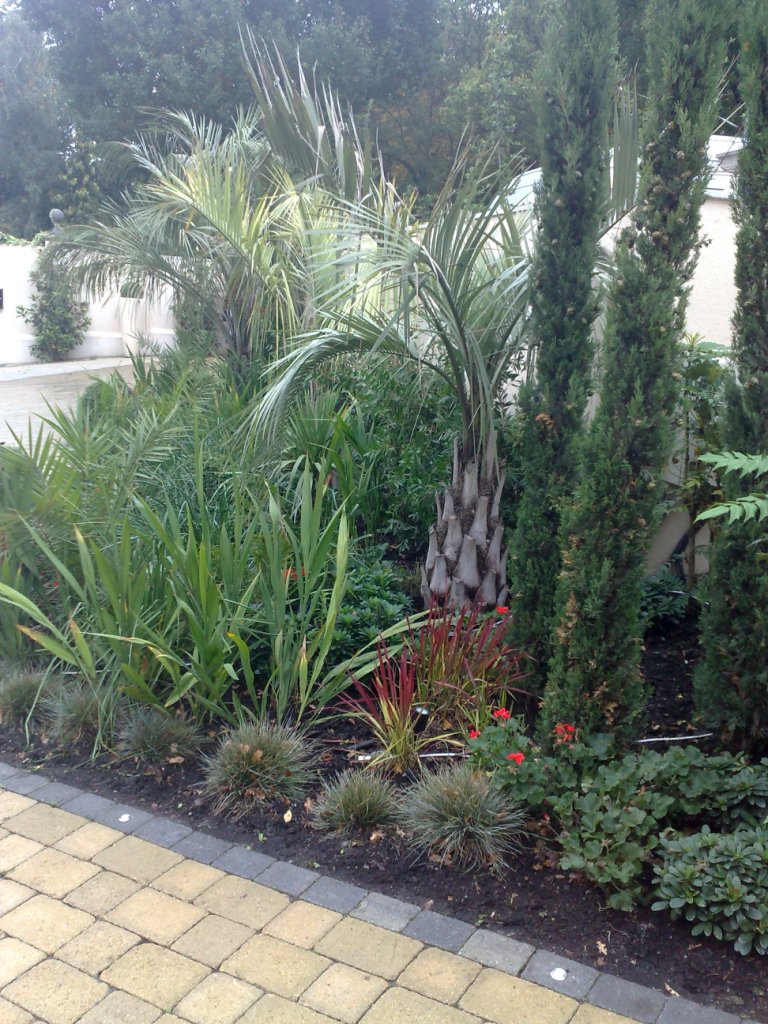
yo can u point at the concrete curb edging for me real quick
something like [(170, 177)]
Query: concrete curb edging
[(645, 1005)]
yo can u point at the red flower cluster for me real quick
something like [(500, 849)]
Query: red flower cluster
[(474, 733), (291, 574), (501, 713), (502, 609), (518, 757), (564, 733)]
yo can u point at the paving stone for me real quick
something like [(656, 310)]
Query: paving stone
[(587, 1014), (7, 770), (276, 966), (169, 1018), (107, 812), (344, 993), (44, 824), (202, 847), (439, 975), (245, 863), (188, 879), (334, 895), (369, 948), (288, 878), (404, 1007), (12, 804), (16, 849), (439, 930), (156, 975), (102, 893), (56, 992), (121, 1008), (97, 947), (155, 916), (25, 782), (10, 1014), (137, 859), (89, 840), (12, 894), (683, 1011), (386, 911), (302, 924), (503, 999), (578, 980), (45, 923), (218, 999), (272, 1009), (162, 831), (499, 951), (53, 873), (635, 1001), (16, 957), (239, 900), (212, 940), (57, 793)]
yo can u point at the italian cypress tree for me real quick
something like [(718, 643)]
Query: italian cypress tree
[(732, 681), (576, 85), (595, 681)]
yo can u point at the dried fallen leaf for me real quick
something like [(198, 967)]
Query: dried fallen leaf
[(376, 836), (288, 816), (176, 760), (668, 988), (602, 948), (309, 803)]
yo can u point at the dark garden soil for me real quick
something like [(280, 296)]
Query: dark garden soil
[(534, 901)]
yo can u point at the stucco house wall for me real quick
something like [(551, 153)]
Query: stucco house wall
[(116, 327)]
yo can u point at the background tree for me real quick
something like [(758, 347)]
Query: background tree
[(576, 89), (595, 682), (30, 129), (732, 681)]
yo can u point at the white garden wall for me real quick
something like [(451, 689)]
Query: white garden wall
[(116, 324)]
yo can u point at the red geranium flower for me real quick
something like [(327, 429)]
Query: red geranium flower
[(502, 609), (501, 713), (474, 733), (564, 732), (518, 757)]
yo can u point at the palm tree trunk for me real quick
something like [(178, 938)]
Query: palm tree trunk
[(466, 560)]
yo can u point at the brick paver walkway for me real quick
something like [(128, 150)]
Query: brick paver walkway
[(102, 927)]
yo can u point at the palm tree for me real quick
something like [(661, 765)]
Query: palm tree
[(451, 294)]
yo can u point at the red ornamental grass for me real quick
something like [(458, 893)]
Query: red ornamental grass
[(461, 657), (392, 691)]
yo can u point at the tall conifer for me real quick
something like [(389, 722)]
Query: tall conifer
[(576, 85), (595, 682), (732, 682)]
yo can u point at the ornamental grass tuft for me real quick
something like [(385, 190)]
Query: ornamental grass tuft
[(355, 800), (72, 713), (257, 763), (456, 816), (23, 692), (150, 736)]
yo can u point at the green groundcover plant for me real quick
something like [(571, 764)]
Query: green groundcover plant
[(607, 812), (719, 883)]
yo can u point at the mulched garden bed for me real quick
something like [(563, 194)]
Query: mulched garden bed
[(534, 901)]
